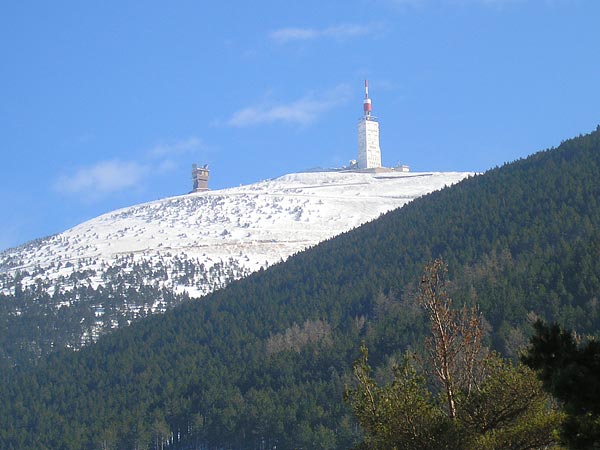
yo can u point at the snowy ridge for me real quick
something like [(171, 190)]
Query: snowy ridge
[(223, 235)]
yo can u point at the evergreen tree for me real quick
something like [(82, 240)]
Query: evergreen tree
[(571, 372)]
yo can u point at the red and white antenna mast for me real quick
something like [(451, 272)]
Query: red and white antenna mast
[(367, 102)]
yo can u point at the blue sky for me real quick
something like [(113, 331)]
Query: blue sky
[(107, 104)]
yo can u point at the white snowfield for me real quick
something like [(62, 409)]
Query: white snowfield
[(239, 230)]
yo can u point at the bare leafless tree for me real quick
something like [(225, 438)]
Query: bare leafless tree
[(454, 347)]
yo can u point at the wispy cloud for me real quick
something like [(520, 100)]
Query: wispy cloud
[(337, 32), (302, 111), (186, 146), (102, 177), (110, 176)]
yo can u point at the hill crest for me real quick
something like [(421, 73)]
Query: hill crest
[(235, 231)]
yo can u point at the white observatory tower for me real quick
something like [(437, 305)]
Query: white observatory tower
[(369, 153)]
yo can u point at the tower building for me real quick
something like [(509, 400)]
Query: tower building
[(369, 153), (200, 178)]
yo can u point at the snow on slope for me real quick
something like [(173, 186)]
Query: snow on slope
[(227, 233)]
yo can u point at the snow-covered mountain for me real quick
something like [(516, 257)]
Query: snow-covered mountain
[(68, 289), (225, 234)]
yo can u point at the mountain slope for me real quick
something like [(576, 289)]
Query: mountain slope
[(68, 289), (241, 229), (263, 362)]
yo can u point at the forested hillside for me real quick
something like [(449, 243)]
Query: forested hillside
[(263, 363), (68, 289)]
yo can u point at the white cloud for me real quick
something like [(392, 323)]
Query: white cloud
[(338, 32), (166, 165), (303, 111), (284, 35), (110, 176), (186, 146), (102, 178)]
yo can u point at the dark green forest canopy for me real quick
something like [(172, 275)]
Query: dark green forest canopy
[(569, 367), (264, 362)]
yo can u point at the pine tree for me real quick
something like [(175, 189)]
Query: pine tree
[(571, 372)]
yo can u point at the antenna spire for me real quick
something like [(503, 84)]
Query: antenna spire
[(367, 102)]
